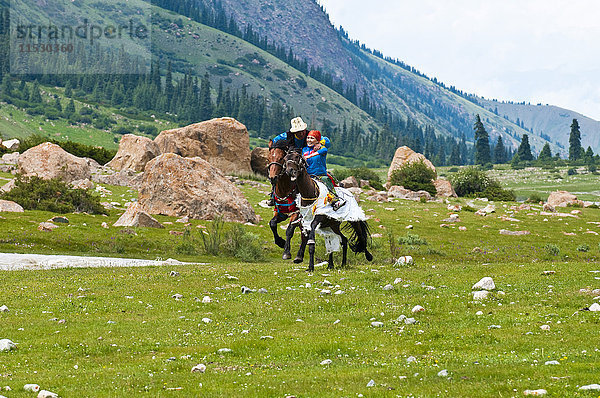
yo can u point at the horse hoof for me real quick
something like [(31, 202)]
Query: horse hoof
[(280, 242), (286, 256), (298, 260), (369, 256)]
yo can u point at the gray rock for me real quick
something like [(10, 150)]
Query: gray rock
[(443, 373), (591, 387), (200, 368), (262, 290), (246, 290), (7, 345), (410, 321), (377, 324), (326, 362), (224, 350), (4, 309), (371, 383), (552, 363), (411, 359), (538, 392), (388, 287), (480, 295), (486, 283)]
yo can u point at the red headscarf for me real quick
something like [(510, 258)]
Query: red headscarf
[(316, 134)]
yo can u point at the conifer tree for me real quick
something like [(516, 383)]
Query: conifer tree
[(575, 149), (455, 155), (524, 150), (206, 106), (70, 108), (482, 143), (499, 151), (34, 95), (545, 155)]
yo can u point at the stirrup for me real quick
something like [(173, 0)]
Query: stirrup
[(336, 204)]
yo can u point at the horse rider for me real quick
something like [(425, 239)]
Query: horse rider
[(315, 153), (295, 138)]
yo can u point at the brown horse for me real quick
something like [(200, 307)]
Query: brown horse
[(285, 204), (295, 167)]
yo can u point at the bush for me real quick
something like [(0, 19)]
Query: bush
[(583, 248), (571, 171), (411, 240), (471, 182), (34, 193), (415, 176), (534, 198), (552, 249), (243, 245), (187, 245), (213, 238)]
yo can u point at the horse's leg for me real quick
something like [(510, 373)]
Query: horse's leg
[(311, 243), (289, 233), (300, 255), (277, 218), (336, 228)]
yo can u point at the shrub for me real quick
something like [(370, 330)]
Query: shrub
[(213, 238), (534, 198), (35, 193), (471, 181), (187, 244), (453, 169), (415, 176), (571, 171), (243, 245), (583, 248), (552, 249), (412, 240)]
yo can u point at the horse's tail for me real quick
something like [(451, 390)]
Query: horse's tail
[(360, 237)]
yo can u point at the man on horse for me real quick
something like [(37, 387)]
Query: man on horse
[(296, 139), (315, 153)]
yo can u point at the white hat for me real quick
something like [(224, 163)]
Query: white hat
[(298, 125)]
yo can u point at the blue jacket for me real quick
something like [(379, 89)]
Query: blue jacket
[(316, 160), (299, 144)]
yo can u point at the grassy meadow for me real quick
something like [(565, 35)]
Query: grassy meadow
[(119, 332)]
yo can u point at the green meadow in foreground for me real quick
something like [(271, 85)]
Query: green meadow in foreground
[(120, 332)]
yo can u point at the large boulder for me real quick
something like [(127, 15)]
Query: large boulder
[(223, 142), (134, 152), (259, 161), (10, 206), (562, 199), (350, 182), (123, 178), (48, 161), (405, 155), (178, 186), (444, 189)]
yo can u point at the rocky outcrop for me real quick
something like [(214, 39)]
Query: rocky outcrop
[(82, 184), (10, 206), (8, 186), (178, 186), (405, 155), (49, 160), (134, 152), (223, 142), (134, 216), (444, 189), (259, 161), (399, 192), (349, 182), (563, 199)]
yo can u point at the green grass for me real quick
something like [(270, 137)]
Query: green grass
[(132, 355)]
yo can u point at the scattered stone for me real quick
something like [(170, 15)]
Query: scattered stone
[(104, 225), (326, 362), (480, 295), (562, 199), (134, 216), (411, 359), (200, 368), (377, 324), (206, 299), (47, 226), (410, 321), (176, 233), (595, 307), (224, 350), (489, 209), (401, 318), (339, 292), (443, 373), (174, 273), (539, 392), (548, 272), (494, 327), (247, 290), (486, 283), (177, 296), (417, 308), (404, 260), (452, 218), (206, 320), (479, 313), (444, 189), (371, 383), (325, 291), (7, 345), (462, 228), (397, 280), (4, 308), (184, 220), (513, 233), (47, 394), (388, 287), (31, 387), (350, 182), (454, 208), (552, 363), (477, 250), (591, 387), (545, 327), (266, 337)]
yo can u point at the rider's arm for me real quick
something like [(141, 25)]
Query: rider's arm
[(321, 152)]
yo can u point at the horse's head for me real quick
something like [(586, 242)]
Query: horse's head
[(295, 164), (275, 167)]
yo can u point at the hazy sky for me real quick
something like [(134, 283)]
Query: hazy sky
[(538, 51)]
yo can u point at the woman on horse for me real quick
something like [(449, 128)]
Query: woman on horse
[(315, 153)]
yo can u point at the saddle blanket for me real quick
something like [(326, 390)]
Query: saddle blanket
[(351, 211)]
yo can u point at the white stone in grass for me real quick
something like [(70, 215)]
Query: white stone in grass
[(388, 287), (7, 345), (552, 363), (2, 396), (401, 318), (480, 295), (545, 327), (4, 309), (397, 280), (174, 273), (47, 394), (31, 387), (326, 362), (224, 350), (336, 321), (404, 260), (538, 392), (443, 373), (327, 283), (206, 299), (591, 387), (262, 290), (479, 313), (266, 337), (371, 383), (593, 307), (410, 321), (417, 308), (494, 327), (377, 324), (177, 296), (486, 283), (325, 291), (206, 320), (339, 292), (411, 359), (200, 368)]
